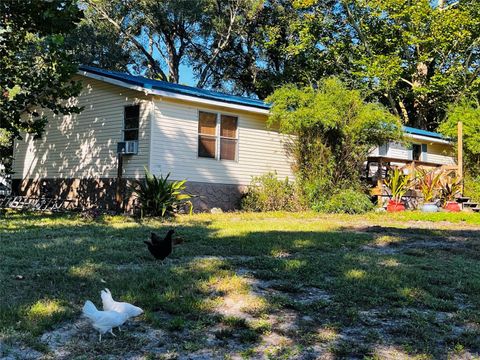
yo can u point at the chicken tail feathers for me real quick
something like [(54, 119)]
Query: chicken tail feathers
[(105, 295), (89, 310)]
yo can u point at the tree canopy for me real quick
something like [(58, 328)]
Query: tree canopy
[(163, 35), (468, 112), (415, 57), (36, 68)]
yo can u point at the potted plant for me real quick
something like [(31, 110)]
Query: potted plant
[(429, 185), (398, 183), (451, 187)]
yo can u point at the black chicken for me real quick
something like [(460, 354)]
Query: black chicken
[(160, 248)]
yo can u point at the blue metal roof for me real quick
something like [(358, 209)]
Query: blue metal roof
[(175, 88), (411, 130)]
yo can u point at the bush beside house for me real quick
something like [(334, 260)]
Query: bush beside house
[(331, 129)]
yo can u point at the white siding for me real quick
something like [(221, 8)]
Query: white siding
[(175, 142), (397, 151), (436, 153), (440, 154), (84, 145)]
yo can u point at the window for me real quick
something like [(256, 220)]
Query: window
[(218, 144), (131, 122), (228, 137), (383, 149), (207, 134), (416, 151)]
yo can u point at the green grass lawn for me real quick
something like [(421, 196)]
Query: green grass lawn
[(274, 285)]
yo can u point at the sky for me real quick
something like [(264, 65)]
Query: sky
[(186, 76)]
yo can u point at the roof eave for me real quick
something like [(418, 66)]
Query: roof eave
[(173, 95), (427, 138)]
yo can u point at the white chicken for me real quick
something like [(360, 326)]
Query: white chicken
[(103, 321), (122, 307)]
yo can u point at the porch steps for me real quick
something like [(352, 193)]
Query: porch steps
[(467, 204)]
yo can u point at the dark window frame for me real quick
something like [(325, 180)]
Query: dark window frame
[(132, 129)]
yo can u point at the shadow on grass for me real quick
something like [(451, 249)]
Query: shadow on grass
[(410, 289)]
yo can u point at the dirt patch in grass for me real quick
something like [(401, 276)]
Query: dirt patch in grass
[(14, 351), (414, 241), (80, 339), (432, 244)]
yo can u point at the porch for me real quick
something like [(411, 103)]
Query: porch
[(378, 167)]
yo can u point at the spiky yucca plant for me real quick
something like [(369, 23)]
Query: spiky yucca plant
[(160, 197)]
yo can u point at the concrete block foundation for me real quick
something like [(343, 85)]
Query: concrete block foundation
[(100, 193)]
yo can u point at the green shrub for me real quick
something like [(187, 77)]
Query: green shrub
[(267, 193), (472, 187), (345, 202), (316, 190), (160, 197)]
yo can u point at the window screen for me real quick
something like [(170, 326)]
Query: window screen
[(207, 134), (131, 122), (228, 137)]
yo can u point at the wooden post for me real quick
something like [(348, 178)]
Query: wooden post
[(118, 193), (460, 152), (380, 182)]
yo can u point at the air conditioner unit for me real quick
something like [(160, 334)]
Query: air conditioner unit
[(128, 147)]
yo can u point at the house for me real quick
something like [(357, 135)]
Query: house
[(215, 141), (420, 148), (424, 146)]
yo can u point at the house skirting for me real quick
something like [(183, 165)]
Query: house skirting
[(101, 192), (207, 196)]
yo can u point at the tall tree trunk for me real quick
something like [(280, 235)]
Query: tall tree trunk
[(174, 70), (420, 101), (173, 61)]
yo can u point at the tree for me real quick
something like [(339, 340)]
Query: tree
[(416, 57), (333, 131), (275, 48), (96, 43), (166, 34), (36, 67), (468, 112)]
